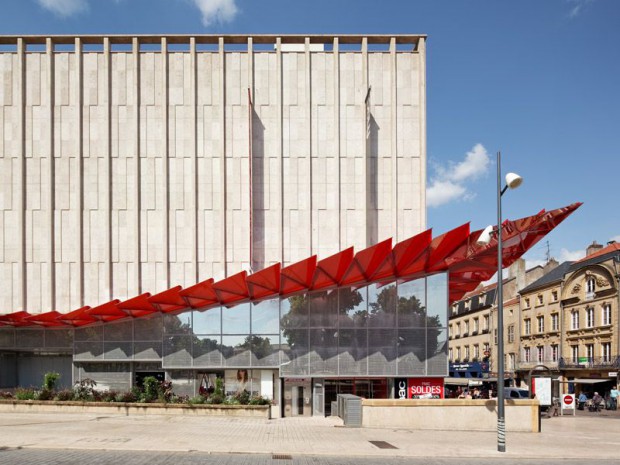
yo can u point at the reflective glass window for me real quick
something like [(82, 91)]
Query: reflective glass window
[(437, 300), (294, 312), (382, 306), (208, 322), (265, 349), (178, 324), (437, 352), (323, 308), (352, 307), (236, 320), (353, 351), (236, 350), (412, 304), (206, 351), (266, 317)]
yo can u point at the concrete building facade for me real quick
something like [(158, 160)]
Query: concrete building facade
[(141, 162)]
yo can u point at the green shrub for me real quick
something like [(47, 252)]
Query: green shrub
[(197, 400), (45, 394), (64, 395), (109, 396), (25, 394), (240, 398), (259, 400), (215, 399), (49, 380), (219, 387), (127, 396), (151, 389)]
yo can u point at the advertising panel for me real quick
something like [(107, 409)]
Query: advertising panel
[(425, 388), (542, 389)]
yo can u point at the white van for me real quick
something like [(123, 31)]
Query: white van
[(516, 393)]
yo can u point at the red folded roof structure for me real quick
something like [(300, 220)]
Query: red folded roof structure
[(455, 252)]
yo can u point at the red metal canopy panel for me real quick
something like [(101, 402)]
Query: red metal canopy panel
[(108, 311), (47, 319), (517, 238), (297, 277), (366, 263), (169, 300), (330, 270), (138, 306), (264, 283), (232, 289), (447, 248), (16, 319), (79, 317), (201, 295), (409, 251)]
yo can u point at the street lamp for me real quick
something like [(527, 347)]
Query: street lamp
[(512, 182)]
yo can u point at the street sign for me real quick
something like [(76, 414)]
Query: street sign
[(568, 403)]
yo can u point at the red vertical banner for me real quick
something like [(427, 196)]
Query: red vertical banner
[(425, 388)]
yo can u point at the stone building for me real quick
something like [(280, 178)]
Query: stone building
[(541, 332), (591, 334)]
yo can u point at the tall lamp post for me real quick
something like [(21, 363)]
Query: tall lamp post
[(512, 182)]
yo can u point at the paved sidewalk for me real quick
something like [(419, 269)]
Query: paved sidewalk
[(584, 437)]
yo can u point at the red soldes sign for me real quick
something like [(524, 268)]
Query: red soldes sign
[(425, 388)]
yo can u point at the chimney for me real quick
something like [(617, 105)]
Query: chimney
[(517, 271), (593, 248), (550, 265)]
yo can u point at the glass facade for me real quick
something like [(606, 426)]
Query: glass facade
[(396, 329)]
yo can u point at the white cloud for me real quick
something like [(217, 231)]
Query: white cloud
[(570, 255), (565, 255), (220, 11), (615, 239), (442, 192), (64, 8), (449, 182), (577, 6)]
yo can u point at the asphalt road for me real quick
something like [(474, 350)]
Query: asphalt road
[(98, 457)]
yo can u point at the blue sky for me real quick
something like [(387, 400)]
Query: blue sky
[(538, 80)]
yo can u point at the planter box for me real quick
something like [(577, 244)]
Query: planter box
[(39, 406)]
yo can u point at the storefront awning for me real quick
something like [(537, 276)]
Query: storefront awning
[(587, 380)]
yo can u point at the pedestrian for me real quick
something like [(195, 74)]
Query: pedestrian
[(614, 397), (581, 400), (596, 402)]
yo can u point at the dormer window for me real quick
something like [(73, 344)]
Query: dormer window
[(590, 284)]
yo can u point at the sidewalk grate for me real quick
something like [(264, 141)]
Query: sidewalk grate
[(281, 457), (383, 445)]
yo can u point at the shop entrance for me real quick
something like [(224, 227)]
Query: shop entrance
[(368, 388), (297, 394)]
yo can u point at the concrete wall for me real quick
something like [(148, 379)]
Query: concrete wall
[(33, 406), (125, 161), (449, 414)]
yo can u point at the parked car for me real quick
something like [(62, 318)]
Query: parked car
[(516, 393)]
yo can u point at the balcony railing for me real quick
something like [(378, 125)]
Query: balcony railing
[(526, 365), (594, 362)]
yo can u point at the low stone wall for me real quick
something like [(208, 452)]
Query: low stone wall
[(36, 406), (449, 414)]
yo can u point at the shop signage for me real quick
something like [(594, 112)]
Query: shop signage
[(612, 374), (401, 386), (425, 388)]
